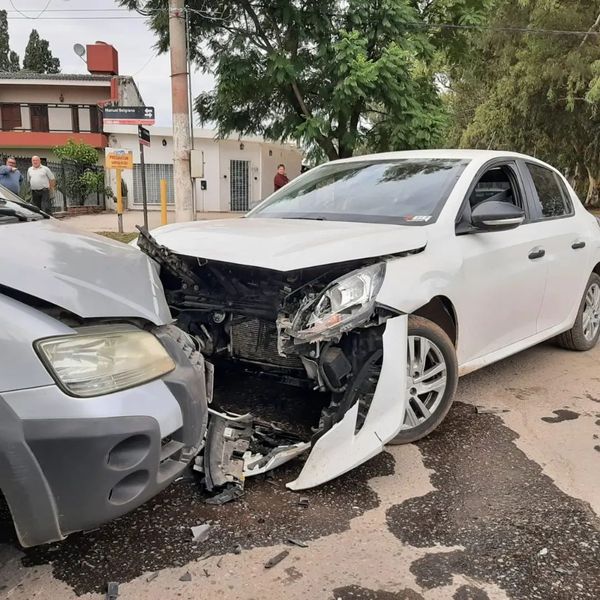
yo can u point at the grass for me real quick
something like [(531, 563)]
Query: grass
[(120, 237)]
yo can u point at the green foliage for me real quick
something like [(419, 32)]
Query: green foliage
[(536, 93), (340, 76), (9, 60), (38, 57), (77, 152)]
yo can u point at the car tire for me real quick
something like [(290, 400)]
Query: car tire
[(586, 330), (422, 330)]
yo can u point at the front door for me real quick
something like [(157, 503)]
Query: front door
[(503, 276), (239, 185)]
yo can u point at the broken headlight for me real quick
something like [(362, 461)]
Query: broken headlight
[(104, 359), (346, 303)]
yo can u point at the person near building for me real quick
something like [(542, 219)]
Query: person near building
[(281, 178), (41, 180), (10, 176)]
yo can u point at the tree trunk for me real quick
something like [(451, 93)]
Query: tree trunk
[(592, 199)]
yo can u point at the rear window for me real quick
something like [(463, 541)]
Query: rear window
[(552, 197)]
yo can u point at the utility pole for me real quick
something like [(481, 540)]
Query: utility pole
[(184, 208)]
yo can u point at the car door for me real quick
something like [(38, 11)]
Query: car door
[(566, 242), (503, 274)]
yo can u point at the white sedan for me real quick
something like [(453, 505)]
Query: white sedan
[(380, 279)]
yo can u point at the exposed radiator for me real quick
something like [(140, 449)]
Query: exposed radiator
[(256, 340)]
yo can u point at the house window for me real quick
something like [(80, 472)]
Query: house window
[(11, 116), (39, 117), (75, 119)]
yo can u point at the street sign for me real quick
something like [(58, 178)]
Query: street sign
[(143, 136), (128, 115), (117, 158)]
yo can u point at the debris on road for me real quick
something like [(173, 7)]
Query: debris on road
[(298, 543), (237, 549), (303, 502), (112, 590), (543, 552), (490, 410), (200, 533), (276, 559), (231, 492), (186, 576), (206, 573), (219, 562), (152, 576)]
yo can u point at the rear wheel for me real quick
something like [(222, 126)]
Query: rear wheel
[(586, 330), (431, 379)]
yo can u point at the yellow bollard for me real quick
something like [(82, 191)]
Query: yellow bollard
[(119, 201), (163, 201)]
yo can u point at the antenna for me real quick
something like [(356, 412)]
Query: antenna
[(79, 50)]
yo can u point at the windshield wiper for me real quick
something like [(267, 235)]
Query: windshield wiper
[(307, 218)]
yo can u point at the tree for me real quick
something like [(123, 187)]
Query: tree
[(38, 57), (341, 75), (538, 93), (9, 60)]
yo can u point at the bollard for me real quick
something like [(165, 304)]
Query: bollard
[(119, 201), (163, 201)]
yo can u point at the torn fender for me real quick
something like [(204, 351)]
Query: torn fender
[(341, 449)]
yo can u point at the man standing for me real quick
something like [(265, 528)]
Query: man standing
[(10, 176), (41, 180), (281, 178)]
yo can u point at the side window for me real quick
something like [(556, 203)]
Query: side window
[(551, 198)]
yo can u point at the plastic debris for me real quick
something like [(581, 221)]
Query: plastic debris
[(186, 576), (237, 549), (230, 493), (276, 559), (303, 502), (152, 576), (200, 533), (112, 590), (298, 543)]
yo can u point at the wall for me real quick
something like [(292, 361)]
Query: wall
[(50, 94)]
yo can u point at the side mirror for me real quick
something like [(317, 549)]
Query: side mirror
[(496, 216)]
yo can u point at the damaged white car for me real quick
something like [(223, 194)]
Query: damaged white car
[(379, 280)]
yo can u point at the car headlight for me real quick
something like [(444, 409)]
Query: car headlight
[(103, 359), (346, 303)]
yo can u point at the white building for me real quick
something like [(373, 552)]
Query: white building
[(235, 173)]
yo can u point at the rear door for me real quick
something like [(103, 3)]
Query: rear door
[(566, 242)]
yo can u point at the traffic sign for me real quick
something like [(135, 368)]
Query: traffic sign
[(143, 136), (128, 115), (117, 158)]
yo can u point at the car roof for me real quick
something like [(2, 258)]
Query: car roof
[(464, 154)]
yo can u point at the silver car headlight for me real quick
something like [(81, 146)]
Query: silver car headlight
[(343, 305), (103, 359)]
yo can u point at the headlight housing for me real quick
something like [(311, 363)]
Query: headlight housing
[(344, 304), (104, 359)]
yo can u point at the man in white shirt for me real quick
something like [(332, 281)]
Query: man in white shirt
[(41, 180)]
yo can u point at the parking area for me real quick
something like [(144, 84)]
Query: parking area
[(500, 502)]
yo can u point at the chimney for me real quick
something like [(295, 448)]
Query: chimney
[(102, 59)]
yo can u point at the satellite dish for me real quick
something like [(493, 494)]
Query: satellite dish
[(79, 50)]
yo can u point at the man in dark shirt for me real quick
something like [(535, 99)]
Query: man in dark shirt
[(281, 178)]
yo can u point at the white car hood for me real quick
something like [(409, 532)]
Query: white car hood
[(287, 244), (84, 273)]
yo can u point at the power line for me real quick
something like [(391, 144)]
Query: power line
[(40, 13)]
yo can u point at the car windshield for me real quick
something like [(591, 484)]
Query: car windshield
[(407, 191), (14, 210)]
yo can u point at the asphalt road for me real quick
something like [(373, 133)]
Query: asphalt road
[(502, 501)]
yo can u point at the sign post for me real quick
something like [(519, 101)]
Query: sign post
[(144, 140), (118, 159)]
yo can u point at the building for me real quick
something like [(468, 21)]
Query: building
[(41, 111), (234, 174)]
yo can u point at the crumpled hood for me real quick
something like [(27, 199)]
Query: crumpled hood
[(287, 244), (81, 272)]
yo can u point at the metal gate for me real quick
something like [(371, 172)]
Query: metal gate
[(239, 185)]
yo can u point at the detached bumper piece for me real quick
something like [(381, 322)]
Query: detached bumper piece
[(239, 446)]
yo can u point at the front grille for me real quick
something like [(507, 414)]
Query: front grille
[(256, 340)]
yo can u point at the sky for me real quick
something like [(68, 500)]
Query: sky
[(66, 22)]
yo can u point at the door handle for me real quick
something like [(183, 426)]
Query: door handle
[(537, 253), (577, 245)]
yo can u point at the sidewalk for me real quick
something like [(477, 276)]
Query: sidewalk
[(108, 221)]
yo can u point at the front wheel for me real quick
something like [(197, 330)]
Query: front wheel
[(432, 379)]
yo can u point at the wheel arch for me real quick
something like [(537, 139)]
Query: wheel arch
[(441, 311)]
